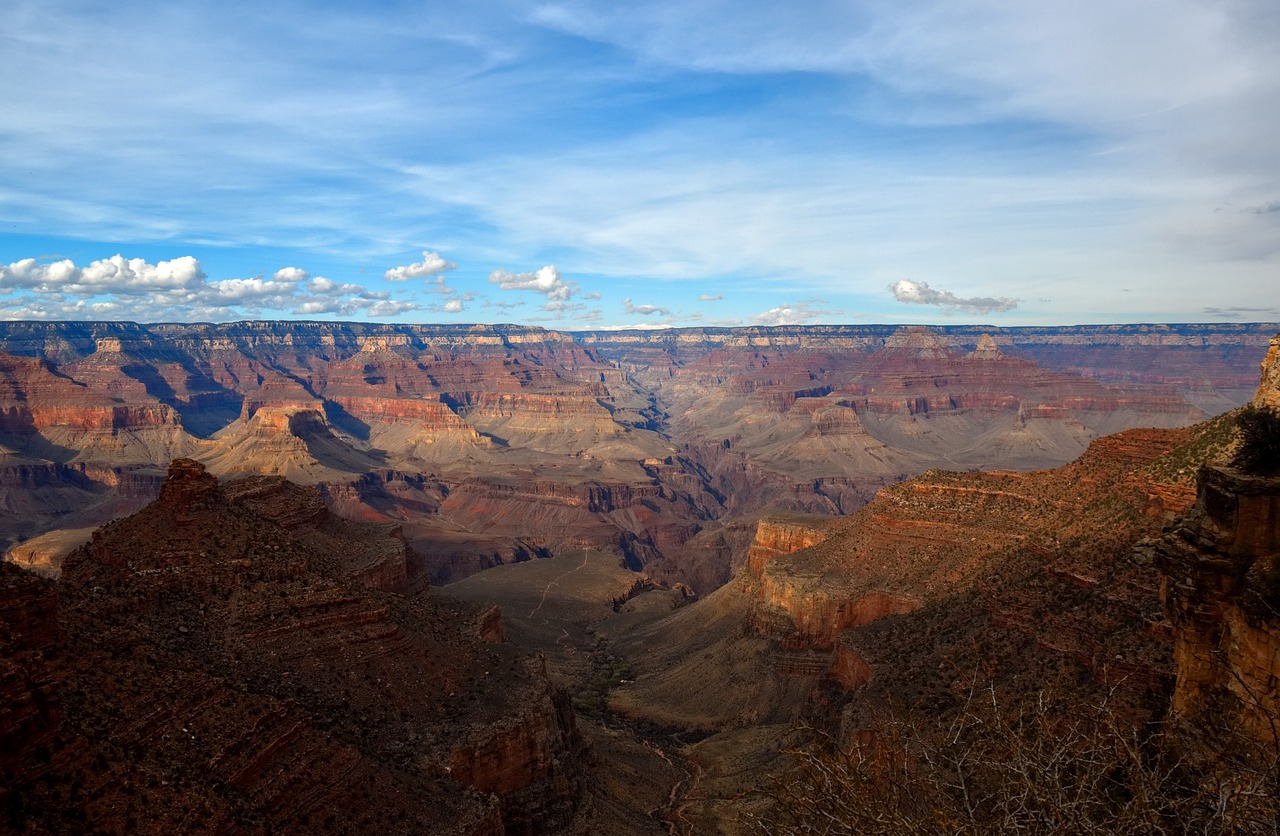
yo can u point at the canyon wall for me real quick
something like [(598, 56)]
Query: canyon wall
[(490, 444)]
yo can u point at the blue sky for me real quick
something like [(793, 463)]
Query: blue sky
[(588, 165)]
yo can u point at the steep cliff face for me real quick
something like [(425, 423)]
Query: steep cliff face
[(779, 535), (230, 660), (1222, 592)]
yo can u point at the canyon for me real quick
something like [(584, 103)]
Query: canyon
[(741, 536), (496, 444)]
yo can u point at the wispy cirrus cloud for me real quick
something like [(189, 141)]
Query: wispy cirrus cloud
[(1063, 145)]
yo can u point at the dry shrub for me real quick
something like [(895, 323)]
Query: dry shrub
[(1045, 768)]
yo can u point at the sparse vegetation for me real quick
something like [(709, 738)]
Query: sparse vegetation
[(1047, 768), (593, 698)]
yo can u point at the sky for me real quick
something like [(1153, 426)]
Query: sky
[(583, 165)]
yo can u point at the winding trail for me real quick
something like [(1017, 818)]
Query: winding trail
[(556, 581)]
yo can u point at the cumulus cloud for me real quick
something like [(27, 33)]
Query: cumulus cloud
[(546, 281), (799, 313), (116, 275), (291, 274), (919, 293), (327, 286), (116, 287), (390, 308), (644, 310), (432, 265)]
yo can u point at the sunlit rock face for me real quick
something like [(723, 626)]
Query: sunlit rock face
[(1268, 394)]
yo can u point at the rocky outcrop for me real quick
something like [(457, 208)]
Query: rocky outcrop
[(226, 665), (1222, 593), (1268, 394), (779, 535)]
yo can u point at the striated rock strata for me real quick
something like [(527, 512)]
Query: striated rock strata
[(459, 433)]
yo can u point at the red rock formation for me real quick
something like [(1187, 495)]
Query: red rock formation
[(956, 536), (740, 421), (225, 671), (1222, 592), (780, 535)]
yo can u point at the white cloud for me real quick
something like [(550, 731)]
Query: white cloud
[(327, 286), (117, 287), (390, 308), (116, 275), (710, 297), (242, 290), (546, 281), (503, 304), (799, 313), (562, 307), (291, 274), (919, 293), (432, 265), (453, 306), (643, 310)]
